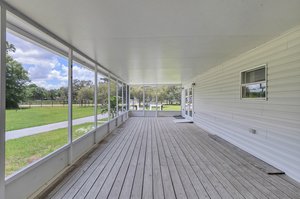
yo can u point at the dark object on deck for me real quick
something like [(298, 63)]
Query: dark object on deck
[(178, 117)]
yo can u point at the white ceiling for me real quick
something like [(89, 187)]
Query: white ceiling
[(163, 41)]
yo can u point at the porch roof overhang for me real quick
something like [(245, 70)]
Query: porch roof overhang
[(162, 41)]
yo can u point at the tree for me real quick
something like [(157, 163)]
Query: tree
[(150, 96), (78, 85), (137, 93), (30, 91), (85, 94), (52, 94), (169, 94), (16, 79), (173, 94), (162, 94), (62, 94), (103, 91), (113, 107), (34, 92)]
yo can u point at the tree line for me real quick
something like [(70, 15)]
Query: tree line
[(19, 87), (170, 94)]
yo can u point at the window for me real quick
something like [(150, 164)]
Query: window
[(169, 97), (150, 98), (36, 102), (124, 98), (120, 97), (186, 91), (127, 97), (83, 100), (102, 99), (113, 98), (136, 97), (253, 83), (156, 98)]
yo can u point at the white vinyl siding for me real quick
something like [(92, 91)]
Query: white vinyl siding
[(219, 109)]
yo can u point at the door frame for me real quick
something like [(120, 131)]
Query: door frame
[(187, 114)]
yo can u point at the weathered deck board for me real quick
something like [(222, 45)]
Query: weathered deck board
[(204, 147), (189, 182), (116, 188), (177, 183), (148, 180), (265, 180), (137, 187), (183, 162), (82, 173), (230, 178), (168, 185), (120, 165), (158, 190), (94, 185), (156, 158)]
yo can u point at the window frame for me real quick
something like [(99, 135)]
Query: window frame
[(265, 66)]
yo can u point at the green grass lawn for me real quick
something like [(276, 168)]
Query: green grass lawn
[(23, 151), (173, 107), (37, 116), (167, 107)]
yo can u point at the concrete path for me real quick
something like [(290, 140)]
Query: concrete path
[(49, 127)]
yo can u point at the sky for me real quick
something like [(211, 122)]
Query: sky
[(45, 68)]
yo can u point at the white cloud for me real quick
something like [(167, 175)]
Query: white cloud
[(64, 70), (44, 67), (82, 73), (39, 64), (45, 84), (55, 74), (35, 53)]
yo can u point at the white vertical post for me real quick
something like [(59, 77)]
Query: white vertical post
[(129, 94), (122, 97), (96, 101), (117, 99), (143, 100), (127, 98), (108, 97), (182, 101), (70, 105), (156, 99), (2, 98), (193, 110)]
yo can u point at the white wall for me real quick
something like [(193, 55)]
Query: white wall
[(219, 109)]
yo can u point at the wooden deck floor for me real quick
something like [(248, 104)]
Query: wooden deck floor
[(156, 158)]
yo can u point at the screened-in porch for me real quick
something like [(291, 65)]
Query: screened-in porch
[(149, 99)]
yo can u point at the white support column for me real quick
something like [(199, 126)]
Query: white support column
[(156, 88), (127, 98), (108, 97), (70, 106), (117, 98), (96, 102), (143, 100), (122, 97), (2, 98)]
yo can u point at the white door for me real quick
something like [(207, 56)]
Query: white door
[(189, 103)]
